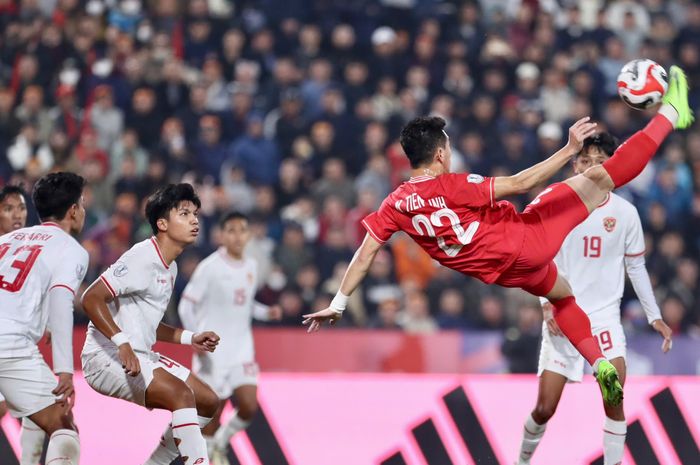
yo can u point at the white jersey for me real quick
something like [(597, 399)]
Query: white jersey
[(33, 261), (220, 297), (141, 284), (592, 257)]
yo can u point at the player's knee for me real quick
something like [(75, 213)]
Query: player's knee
[(183, 397), (544, 411), (207, 402), (600, 177), (247, 407)]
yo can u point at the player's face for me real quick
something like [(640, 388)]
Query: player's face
[(77, 213), (13, 213), (183, 223), (235, 236), (592, 157)]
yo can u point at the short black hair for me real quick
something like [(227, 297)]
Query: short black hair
[(421, 137), (606, 142), (55, 193), (11, 189), (234, 215), (165, 199)]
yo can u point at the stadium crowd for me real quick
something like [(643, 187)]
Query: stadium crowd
[(289, 111)]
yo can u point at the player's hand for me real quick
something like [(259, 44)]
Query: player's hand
[(206, 341), (580, 131), (275, 313), (65, 390), (548, 315), (663, 329), (316, 320), (130, 361)]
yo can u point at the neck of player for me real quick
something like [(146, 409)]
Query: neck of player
[(434, 170), (169, 248), (64, 224), (234, 255)]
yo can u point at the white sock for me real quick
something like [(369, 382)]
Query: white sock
[(166, 451), (614, 434), (31, 439), (225, 432), (203, 421), (669, 112), (64, 448), (188, 437), (532, 433)]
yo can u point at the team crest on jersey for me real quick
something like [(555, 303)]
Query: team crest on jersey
[(475, 178), (250, 278), (609, 224), (120, 269)]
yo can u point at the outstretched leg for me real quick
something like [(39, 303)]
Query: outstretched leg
[(635, 153), (576, 326)]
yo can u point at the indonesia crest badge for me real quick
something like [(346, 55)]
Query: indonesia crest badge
[(609, 224)]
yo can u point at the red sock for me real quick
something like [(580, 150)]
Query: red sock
[(633, 155), (576, 326)]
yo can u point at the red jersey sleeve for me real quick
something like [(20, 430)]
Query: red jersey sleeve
[(469, 190), (380, 224)]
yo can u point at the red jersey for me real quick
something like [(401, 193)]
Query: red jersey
[(455, 218)]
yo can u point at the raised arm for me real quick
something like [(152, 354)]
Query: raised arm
[(522, 182), (356, 272)]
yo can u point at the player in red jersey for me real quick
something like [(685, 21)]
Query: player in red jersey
[(459, 220)]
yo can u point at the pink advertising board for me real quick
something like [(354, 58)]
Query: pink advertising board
[(366, 419)]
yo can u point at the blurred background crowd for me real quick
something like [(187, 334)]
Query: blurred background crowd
[(290, 110)]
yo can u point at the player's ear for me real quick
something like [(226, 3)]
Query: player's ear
[(439, 155), (162, 224)]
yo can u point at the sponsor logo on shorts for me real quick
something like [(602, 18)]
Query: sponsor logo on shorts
[(609, 224)]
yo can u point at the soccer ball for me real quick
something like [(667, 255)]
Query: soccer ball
[(642, 83)]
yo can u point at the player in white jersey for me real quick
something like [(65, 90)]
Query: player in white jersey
[(221, 295), (126, 305), (41, 267), (13, 216), (594, 257)]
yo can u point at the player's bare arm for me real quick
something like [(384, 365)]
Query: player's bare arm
[(95, 301), (205, 341), (504, 186), (356, 272)]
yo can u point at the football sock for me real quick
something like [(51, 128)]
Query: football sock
[(532, 434), (632, 156), (576, 326), (64, 448), (188, 437), (614, 434), (166, 451), (31, 438), (225, 432)]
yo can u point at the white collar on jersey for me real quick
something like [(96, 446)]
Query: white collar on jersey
[(415, 179)]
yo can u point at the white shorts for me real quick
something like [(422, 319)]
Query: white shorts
[(224, 379), (557, 354), (104, 373), (26, 383)]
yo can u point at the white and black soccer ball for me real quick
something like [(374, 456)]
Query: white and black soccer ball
[(642, 83)]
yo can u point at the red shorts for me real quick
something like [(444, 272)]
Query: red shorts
[(547, 220)]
